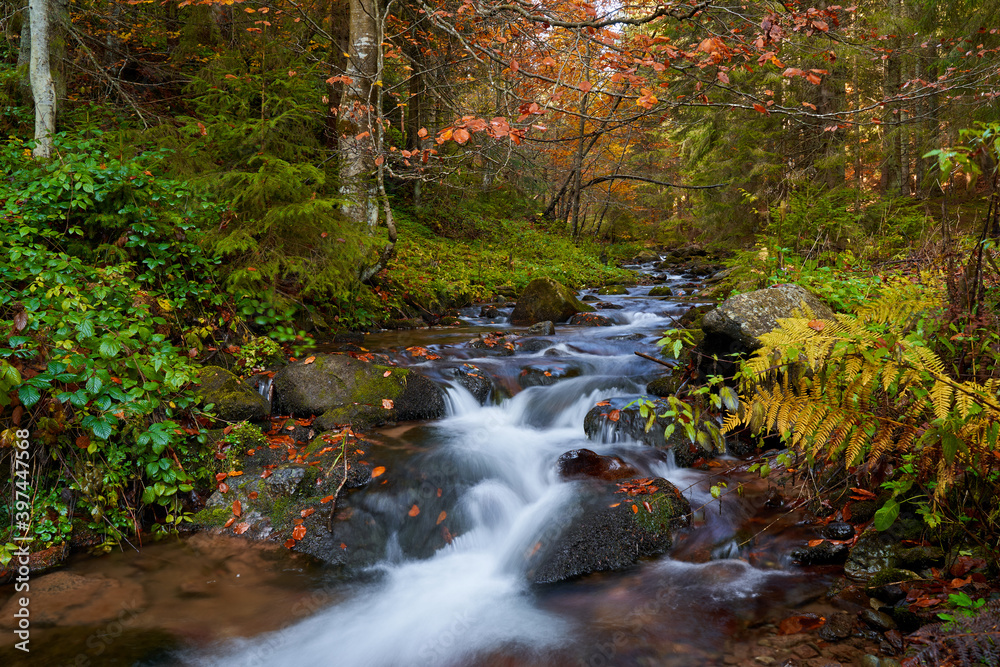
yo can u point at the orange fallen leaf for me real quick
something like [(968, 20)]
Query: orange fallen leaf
[(309, 360), (387, 403), (378, 471), (237, 508), (603, 403), (299, 532), (386, 374), (326, 500), (817, 325), (231, 521), (441, 517), (614, 505), (223, 487), (252, 495), (289, 543), (414, 511), (815, 543), (635, 509), (265, 474), (235, 473), (614, 415), (307, 512), (241, 528), (221, 476), (343, 546)]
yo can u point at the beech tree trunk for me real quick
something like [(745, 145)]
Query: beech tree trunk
[(43, 87)]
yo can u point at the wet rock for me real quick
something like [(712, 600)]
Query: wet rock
[(661, 290), (890, 575), (838, 627), (612, 290), (862, 511), (604, 305), (719, 276), (546, 328), (889, 594), (476, 380), (534, 344), (611, 526), (693, 316), (872, 552), (545, 299), (586, 463), (589, 298), (664, 386), (489, 311), (838, 530), (358, 416), (877, 620), (234, 399), (495, 344), (825, 553), (616, 420), (545, 375), (591, 320), (285, 481), (65, 598), (449, 321), (334, 381), (646, 256), (403, 324), (631, 336)]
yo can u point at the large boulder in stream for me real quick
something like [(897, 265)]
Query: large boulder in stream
[(233, 398), (545, 299), (334, 385), (617, 419), (610, 526)]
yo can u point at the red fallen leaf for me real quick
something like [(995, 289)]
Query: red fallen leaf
[(307, 512), (614, 415), (289, 543), (439, 493), (324, 501), (927, 602), (814, 543), (645, 503), (794, 625), (387, 403), (241, 528), (231, 521), (847, 512), (223, 487), (343, 546), (237, 508), (228, 429), (265, 474), (298, 532), (414, 511), (441, 517), (760, 108), (603, 403), (635, 509), (865, 495), (378, 471), (309, 360), (252, 495), (83, 442), (817, 325), (958, 583)]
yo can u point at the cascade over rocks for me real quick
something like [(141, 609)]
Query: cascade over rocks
[(545, 299), (336, 382), (234, 399), (610, 526), (614, 420), (479, 383)]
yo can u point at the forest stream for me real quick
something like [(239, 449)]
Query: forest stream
[(726, 583)]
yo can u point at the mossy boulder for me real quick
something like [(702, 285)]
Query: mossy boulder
[(545, 299), (611, 526), (615, 420), (661, 290), (612, 290), (664, 386), (339, 383), (872, 553), (234, 399)]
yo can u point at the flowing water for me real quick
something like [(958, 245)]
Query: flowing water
[(490, 469)]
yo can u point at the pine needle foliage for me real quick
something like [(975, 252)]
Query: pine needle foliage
[(869, 385)]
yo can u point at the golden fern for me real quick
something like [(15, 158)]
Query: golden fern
[(866, 385)]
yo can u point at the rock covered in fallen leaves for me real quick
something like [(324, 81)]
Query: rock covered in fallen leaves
[(587, 463), (543, 375), (334, 382), (610, 527), (614, 420), (495, 343), (591, 320), (545, 299)]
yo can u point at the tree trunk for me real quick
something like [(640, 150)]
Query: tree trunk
[(357, 115), (892, 165), (43, 88)]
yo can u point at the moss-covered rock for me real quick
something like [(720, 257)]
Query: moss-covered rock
[(234, 399), (612, 290), (545, 299), (872, 553), (591, 320), (339, 382), (612, 526), (664, 386), (661, 290)]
